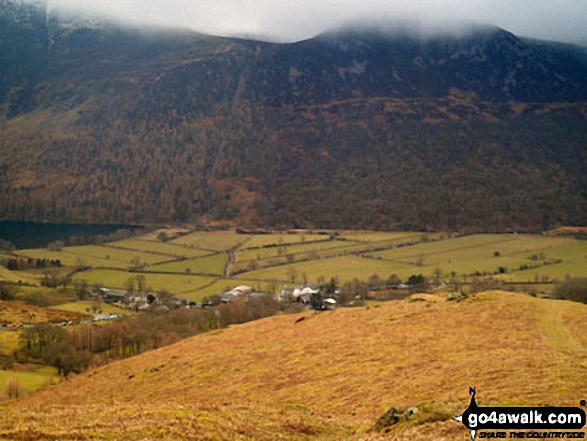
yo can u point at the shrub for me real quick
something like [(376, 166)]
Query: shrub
[(14, 390), (162, 236), (6, 245), (36, 299), (416, 280), (479, 285), (56, 246), (6, 362), (572, 289), (403, 418), (7, 292), (47, 297)]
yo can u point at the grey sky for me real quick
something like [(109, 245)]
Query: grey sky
[(560, 20)]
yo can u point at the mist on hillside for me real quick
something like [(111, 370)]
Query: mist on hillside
[(292, 21)]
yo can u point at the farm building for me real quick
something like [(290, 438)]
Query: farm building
[(112, 296), (285, 295), (240, 290)]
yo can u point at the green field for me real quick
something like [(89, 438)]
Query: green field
[(9, 342), (378, 236), (170, 232), (126, 257), (18, 276), (486, 254), (215, 240), (344, 269), (287, 254), (193, 265), (85, 306), (574, 263), (157, 247), (70, 259), (461, 244), (295, 249), (123, 254), (8, 276), (175, 284), (97, 256), (451, 257), (506, 244), (264, 240), (209, 265), (29, 380)]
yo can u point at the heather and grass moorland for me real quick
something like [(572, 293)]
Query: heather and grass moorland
[(328, 376)]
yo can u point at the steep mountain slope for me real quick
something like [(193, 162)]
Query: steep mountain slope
[(329, 376), (349, 129), (490, 62), (24, 51)]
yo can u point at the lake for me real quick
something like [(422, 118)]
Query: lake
[(38, 235)]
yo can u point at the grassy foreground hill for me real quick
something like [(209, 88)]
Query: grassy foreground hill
[(328, 376)]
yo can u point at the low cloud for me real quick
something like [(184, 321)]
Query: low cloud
[(562, 20)]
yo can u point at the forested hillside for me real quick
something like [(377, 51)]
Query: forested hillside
[(105, 123)]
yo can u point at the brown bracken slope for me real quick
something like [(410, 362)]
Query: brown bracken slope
[(329, 376)]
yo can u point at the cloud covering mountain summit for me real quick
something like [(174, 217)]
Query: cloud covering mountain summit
[(563, 20)]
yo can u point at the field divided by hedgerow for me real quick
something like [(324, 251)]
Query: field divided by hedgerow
[(190, 264), (292, 249), (514, 257), (344, 269), (211, 265), (175, 284), (267, 240), (214, 241), (157, 247)]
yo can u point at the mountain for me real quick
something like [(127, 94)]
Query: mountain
[(327, 376), (353, 128), (490, 62)]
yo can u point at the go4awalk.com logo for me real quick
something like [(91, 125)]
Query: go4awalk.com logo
[(536, 422)]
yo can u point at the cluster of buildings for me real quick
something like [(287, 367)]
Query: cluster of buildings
[(240, 292), (307, 295), (138, 302)]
